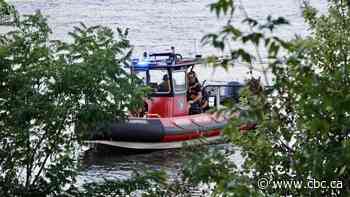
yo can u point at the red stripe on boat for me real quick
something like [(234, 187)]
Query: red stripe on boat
[(190, 136), (212, 133)]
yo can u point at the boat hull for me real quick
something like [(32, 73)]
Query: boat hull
[(162, 130), (156, 145)]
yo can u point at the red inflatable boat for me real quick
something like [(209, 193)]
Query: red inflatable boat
[(167, 123), (159, 133)]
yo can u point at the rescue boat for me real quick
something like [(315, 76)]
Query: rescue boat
[(166, 123)]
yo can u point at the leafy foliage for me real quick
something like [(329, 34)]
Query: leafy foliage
[(52, 92), (8, 13), (147, 184), (303, 121), (213, 167)]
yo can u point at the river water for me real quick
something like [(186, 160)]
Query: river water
[(155, 25)]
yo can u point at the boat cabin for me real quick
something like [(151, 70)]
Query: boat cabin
[(166, 74)]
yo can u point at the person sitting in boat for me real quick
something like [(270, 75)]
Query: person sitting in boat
[(165, 85), (193, 85), (195, 105)]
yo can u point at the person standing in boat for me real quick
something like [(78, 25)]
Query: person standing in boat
[(193, 85), (194, 94), (195, 105)]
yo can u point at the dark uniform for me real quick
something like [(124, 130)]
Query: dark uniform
[(193, 87), (194, 93), (205, 100), (195, 107), (164, 86)]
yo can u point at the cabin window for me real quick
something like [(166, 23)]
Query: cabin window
[(179, 81), (159, 81)]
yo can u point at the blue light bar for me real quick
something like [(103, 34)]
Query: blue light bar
[(142, 65)]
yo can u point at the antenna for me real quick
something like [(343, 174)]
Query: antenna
[(173, 55), (195, 47)]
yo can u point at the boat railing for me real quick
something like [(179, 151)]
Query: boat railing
[(221, 92), (217, 93)]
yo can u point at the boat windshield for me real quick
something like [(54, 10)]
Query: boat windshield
[(179, 81), (159, 81)]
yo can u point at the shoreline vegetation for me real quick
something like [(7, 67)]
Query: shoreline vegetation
[(302, 133)]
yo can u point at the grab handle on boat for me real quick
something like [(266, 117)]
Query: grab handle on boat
[(153, 115)]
